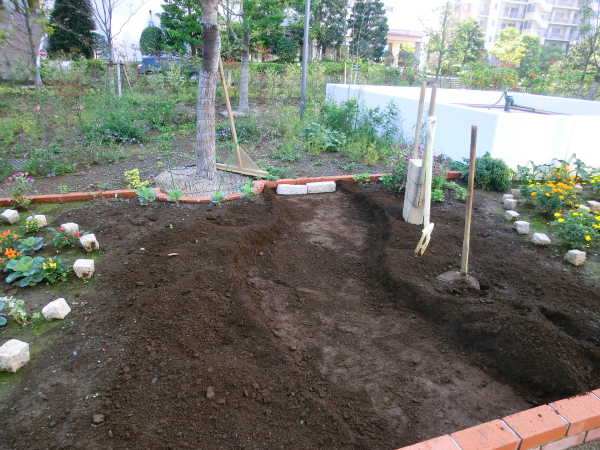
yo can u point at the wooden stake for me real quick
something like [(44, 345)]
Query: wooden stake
[(415, 153), (464, 265), (230, 114)]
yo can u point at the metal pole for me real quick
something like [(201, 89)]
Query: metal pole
[(119, 78), (464, 265), (304, 58)]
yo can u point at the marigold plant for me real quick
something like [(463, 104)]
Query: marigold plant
[(555, 194), (579, 228), (7, 240)]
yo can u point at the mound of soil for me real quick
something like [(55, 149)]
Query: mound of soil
[(300, 323)]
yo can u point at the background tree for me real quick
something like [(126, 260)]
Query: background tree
[(467, 44), (180, 22), (328, 23), (261, 20), (73, 25), (152, 41), (206, 166), (549, 56), (286, 49), (509, 47), (530, 62), (441, 38), (100, 46), (585, 55), (368, 25)]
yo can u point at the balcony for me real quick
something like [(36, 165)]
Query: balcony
[(512, 16), (564, 4), (484, 12), (515, 1), (564, 21)]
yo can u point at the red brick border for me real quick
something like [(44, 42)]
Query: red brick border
[(556, 426), (259, 186)]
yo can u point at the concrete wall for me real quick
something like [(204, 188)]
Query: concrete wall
[(515, 137)]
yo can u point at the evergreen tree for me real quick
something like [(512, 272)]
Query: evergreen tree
[(151, 41), (73, 24), (328, 23), (181, 24), (468, 42), (369, 28)]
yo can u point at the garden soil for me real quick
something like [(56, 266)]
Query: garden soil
[(299, 323)]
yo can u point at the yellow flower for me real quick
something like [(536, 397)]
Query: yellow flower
[(562, 197), (547, 194), (560, 220), (556, 214), (587, 238), (533, 193)]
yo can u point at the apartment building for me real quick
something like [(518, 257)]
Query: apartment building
[(554, 21)]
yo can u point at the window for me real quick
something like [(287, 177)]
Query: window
[(490, 39), (493, 22), (481, 23), (467, 7), (496, 6), (559, 15), (503, 26), (530, 8), (389, 9), (527, 24), (555, 31)]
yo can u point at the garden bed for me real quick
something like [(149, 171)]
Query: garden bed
[(306, 320)]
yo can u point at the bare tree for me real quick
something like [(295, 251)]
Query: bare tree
[(103, 11), (25, 28), (206, 166)]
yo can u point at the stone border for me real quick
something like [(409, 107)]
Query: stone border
[(556, 426), (259, 186)]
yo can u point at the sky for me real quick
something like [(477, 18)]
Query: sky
[(406, 16)]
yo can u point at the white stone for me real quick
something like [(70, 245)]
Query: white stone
[(319, 187), (40, 220), (292, 189), (56, 309), (583, 208), (511, 215), (522, 227), (83, 268), (516, 193), (540, 239), (506, 197), (89, 242), (72, 227), (577, 189), (594, 206), (510, 203), (10, 216), (14, 354), (575, 257)]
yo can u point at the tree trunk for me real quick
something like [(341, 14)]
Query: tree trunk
[(207, 86), (33, 50), (593, 87), (244, 69), (581, 82)]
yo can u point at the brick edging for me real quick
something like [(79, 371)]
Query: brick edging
[(556, 426), (259, 186)]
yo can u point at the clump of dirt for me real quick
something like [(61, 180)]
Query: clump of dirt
[(299, 323)]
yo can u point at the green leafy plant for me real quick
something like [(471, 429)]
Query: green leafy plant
[(460, 192), (490, 173), (288, 151), (175, 195), (25, 271), (319, 138), (247, 188), (17, 311), (437, 195), (63, 188), (217, 197), (55, 269), (28, 246), (579, 228), (132, 178), (31, 226), (17, 186), (145, 195), (362, 177), (66, 238)]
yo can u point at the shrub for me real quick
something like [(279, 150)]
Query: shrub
[(553, 194), (319, 138), (287, 49), (578, 228), (490, 173)]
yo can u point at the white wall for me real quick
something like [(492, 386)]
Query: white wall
[(516, 137)]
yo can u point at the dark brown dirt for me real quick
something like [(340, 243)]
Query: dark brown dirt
[(301, 323)]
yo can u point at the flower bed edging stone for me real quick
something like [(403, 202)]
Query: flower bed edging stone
[(555, 426)]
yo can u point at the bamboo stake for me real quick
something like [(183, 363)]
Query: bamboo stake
[(464, 265), (230, 114), (415, 153)]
